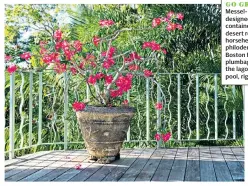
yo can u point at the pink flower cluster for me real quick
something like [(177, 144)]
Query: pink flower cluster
[(12, 68), (26, 55), (77, 106), (109, 61), (132, 56), (106, 23), (153, 46), (123, 84), (159, 106), (96, 40), (170, 18), (164, 137)]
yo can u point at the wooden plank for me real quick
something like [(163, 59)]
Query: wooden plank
[(108, 168), (207, 172), (239, 154), (148, 171), (89, 169), (116, 174), (137, 166), (221, 170), (57, 162), (72, 172), (179, 165), (29, 171), (165, 165), (26, 157), (24, 165), (67, 166), (193, 165), (235, 168)]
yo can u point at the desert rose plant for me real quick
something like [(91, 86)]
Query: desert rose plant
[(107, 71)]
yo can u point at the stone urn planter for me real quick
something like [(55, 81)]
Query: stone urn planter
[(104, 130)]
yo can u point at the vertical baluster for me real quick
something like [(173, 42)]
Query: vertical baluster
[(178, 107), (147, 111), (234, 113), (129, 128), (21, 111), (65, 110), (197, 107), (158, 115), (12, 117), (40, 108), (30, 109), (87, 92), (216, 106)]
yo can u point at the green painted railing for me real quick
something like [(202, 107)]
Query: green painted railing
[(195, 107)]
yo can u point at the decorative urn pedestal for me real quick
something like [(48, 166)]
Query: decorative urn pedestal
[(104, 129)]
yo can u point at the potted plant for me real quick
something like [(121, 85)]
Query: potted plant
[(108, 73)]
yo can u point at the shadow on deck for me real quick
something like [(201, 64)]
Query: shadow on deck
[(171, 164)]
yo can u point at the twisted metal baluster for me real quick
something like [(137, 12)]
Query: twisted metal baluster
[(190, 131), (54, 114), (226, 112), (20, 110), (169, 106), (207, 89)]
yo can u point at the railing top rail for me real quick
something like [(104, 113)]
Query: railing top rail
[(162, 73)]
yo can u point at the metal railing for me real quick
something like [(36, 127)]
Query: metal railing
[(195, 107)]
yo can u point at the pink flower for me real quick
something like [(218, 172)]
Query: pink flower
[(166, 136), (99, 75), (106, 65), (93, 64), (124, 83), (96, 40), (159, 106), (92, 79), (164, 51), (73, 70), (171, 26), (58, 45), (133, 67), (147, 73), (179, 27), (77, 106), (116, 93), (153, 45), (81, 65), (77, 45), (58, 35), (8, 58), (157, 137), (106, 23), (156, 22), (125, 102), (170, 14), (135, 55), (180, 16), (108, 79), (12, 68), (60, 68), (165, 19), (146, 45), (78, 166), (25, 55)]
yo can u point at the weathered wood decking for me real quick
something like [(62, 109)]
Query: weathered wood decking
[(174, 164)]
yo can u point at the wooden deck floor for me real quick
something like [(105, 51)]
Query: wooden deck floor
[(174, 164)]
